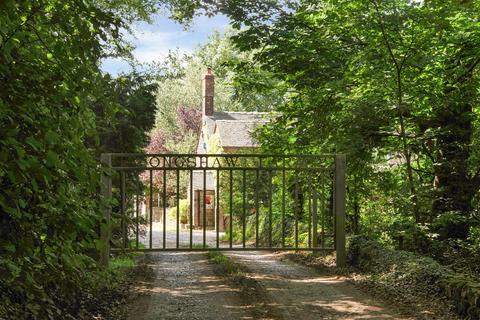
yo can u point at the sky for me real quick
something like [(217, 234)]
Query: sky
[(153, 41)]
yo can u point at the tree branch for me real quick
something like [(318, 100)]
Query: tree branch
[(9, 37)]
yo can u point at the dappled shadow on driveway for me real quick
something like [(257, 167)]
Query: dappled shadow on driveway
[(299, 292), (185, 286)]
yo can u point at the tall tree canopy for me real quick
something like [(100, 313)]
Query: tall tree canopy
[(391, 83)]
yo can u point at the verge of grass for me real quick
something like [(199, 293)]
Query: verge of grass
[(122, 262), (105, 290), (227, 265), (130, 270)]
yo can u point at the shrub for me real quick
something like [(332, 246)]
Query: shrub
[(184, 210), (184, 205), (407, 272)]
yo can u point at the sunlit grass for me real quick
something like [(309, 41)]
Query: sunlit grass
[(225, 263), (122, 262)]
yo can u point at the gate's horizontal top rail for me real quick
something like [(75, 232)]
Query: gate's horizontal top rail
[(136, 162), (257, 155), (220, 168)]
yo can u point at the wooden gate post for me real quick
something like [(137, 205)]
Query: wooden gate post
[(340, 191), (106, 194)]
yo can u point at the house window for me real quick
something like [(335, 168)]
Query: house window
[(204, 146)]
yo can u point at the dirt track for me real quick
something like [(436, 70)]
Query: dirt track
[(187, 286), (298, 292)]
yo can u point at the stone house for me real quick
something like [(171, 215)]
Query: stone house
[(221, 132)]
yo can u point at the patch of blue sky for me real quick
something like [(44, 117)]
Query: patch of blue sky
[(153, 41)]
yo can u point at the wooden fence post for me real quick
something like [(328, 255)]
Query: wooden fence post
[(340, 191), (106, 194)]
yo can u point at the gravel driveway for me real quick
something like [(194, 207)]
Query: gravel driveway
[(185, 285), (298, 292)]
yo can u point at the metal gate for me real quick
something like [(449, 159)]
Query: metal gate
[(178, 202)]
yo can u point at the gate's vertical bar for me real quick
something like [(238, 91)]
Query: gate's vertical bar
[(190, 220), (164, 200), (150, 241), (340, 191), (178, 207), (198, 206), (283, 203), (323, 213), (257, 207), (123, 225), (244, 222), (270, 199), (309, 210), (106, 191), (314, 218), (137, 209), (217, 217), (205, 207), (231, 208), (331, 205), (296, 209)]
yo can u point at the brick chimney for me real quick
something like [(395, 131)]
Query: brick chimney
[(208, 91)]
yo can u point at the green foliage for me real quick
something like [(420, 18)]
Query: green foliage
[(184, 216), (122, 262), (50, 86), (465, 291), (401, 268), (180, 86), (405, 272), (184, 211), (228, 266), (126, 127), (393, 84)]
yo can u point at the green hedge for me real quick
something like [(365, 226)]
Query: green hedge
[(407, 272)]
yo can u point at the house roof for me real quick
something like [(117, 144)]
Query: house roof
[(235, 129), (237, 133)]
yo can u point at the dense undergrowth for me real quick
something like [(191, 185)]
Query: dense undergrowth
[(58, 112), (405, 274), (96, 293)]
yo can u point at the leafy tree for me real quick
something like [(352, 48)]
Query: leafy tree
[(383, 79), (126, 128), (50, 85), (391, 83)]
